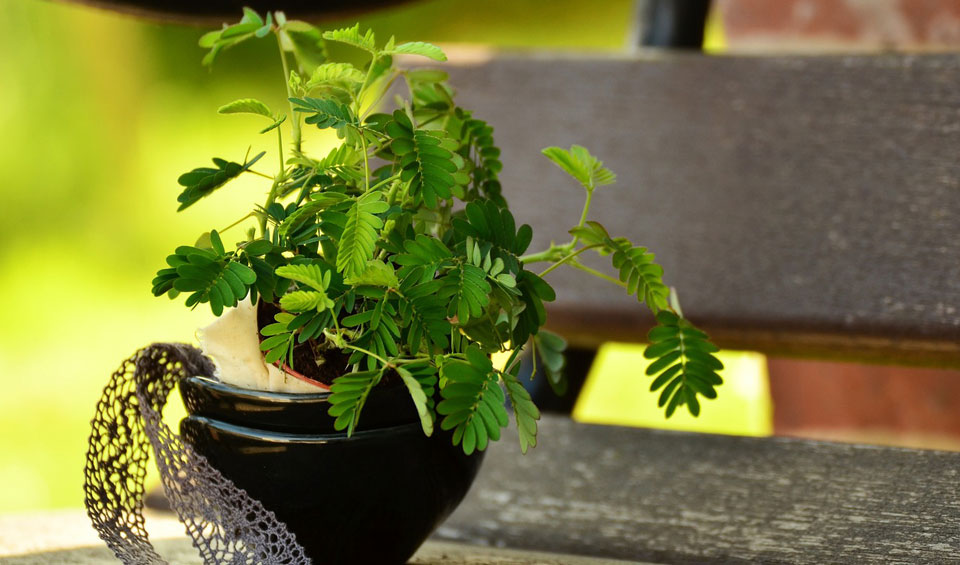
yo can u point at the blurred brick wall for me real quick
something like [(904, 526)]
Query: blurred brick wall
[(840, 25)]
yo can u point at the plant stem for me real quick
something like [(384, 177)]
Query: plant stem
[(567, 258), (294, 118), (596, 273), (583, 217), (370, 353), (234, 224), (259, 174)]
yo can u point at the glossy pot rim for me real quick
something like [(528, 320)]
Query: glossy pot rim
[(286, 438), (260, 395)]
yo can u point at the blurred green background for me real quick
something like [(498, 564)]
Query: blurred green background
[(99, 114)]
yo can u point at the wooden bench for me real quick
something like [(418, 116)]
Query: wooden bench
[(803, 206)]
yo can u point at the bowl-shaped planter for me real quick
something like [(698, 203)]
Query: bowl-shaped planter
[(370, 498)]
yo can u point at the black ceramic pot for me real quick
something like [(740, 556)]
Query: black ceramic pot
[(370, 498)]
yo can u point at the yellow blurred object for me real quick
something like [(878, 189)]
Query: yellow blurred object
[(714, 37), (617, 392)]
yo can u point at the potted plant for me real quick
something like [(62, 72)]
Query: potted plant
[(378, 281)]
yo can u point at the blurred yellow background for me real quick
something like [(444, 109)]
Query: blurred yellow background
[(99, 114)]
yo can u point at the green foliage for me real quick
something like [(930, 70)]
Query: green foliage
[(426, 159), (419, 48), (581, 165), (684, 364), (549, 348), (398, 249), (352, 36), (203, 181), (525, 412), (350, 392), (325, 113), (420, 381), (246, 106), (210, 275), (473, 403), (640, 275), (359, 238)]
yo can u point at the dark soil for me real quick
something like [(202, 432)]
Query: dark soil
[(322, 365)]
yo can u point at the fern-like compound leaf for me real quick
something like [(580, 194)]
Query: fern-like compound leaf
[(549, 350), (643, 277), (423, 315), (335, 76), (488, 223), (534, 291), (424, 253), (473, 403), (304, 300), (326, 113), (467, 290), (376, 273), (419, 48), (581, 165), (419, 397), (684, 363), (246, 106), (352, 36), (310, 274), (427, 159), (349, 393), (525, 412), (359, 237), (203, 181), (210, 275)]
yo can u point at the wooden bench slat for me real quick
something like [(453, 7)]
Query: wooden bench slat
[(800, 205), (689, 498)]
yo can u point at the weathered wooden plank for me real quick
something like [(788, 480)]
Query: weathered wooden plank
[(66, 538), (800, 205), (671, 497)]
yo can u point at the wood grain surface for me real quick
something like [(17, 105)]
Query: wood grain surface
[(670, 497), (801, 205), (66, 538)]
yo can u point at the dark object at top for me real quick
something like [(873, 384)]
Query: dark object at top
[(677, 24), (217, 11)]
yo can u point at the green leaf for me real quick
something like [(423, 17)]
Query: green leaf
[(304, 300), (550, 348), (466, 288), (684, 364), (305, 42), (352, 36), (211, 276), (581, 165), (203, 181), (420, 48), (342, 76), (310, 274), (349, 393), (525, 412), (419, 399), (643, 277), (426, 158), (376, 273), (359, 237), (246, 106), (325, 113), (473, 403)]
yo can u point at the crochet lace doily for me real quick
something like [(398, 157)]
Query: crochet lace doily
[(227, 525)]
